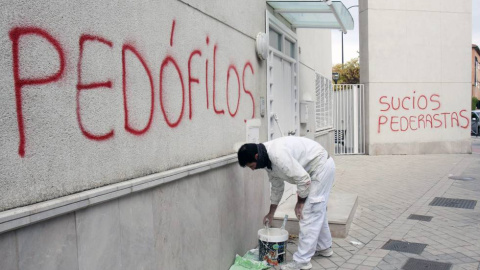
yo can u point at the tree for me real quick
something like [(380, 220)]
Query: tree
[(350, 73), (475, 103)]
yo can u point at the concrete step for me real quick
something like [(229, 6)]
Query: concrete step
[(340, 211)]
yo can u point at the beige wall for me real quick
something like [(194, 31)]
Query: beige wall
[(315, 57), (173, 226), (415, 67)]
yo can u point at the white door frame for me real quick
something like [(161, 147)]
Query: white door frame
[(289, 35), (274, 129)]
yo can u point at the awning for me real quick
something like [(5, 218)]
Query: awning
[(314, 14)]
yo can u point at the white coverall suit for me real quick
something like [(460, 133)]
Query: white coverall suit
[(306, 164)]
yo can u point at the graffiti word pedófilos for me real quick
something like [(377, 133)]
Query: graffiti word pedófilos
[(418, 112), (184, 73)]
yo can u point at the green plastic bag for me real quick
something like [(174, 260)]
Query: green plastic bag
[(252, 255), (248, 264)]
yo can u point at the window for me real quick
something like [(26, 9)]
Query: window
[(324, 103), (476, 71), (275, 39), (289, 48)]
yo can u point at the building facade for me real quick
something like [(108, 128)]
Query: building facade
[(121, 119), (120, 122)]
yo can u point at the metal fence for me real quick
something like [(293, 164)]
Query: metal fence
[(349, 118), (323, 103)]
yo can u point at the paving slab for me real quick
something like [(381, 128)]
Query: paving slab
[(390, 189)]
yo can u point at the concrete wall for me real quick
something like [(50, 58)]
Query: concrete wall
[(98, 92), (416, 53), (325, 138), (107, 109), (199, 222), (315, 57)]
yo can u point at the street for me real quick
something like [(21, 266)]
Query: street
[(391, 189)]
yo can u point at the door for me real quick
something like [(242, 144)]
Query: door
[(282, 85), (282, 104)]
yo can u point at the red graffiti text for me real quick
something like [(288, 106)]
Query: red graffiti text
[(419, 112), (185, 72)]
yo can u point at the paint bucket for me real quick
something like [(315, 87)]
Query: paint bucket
[(272, 245)]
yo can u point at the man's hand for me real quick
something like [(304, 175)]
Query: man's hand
[(299, 207), (298, 210), (268, 218)]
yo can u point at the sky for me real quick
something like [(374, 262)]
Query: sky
[(476, 22), (351, 40)]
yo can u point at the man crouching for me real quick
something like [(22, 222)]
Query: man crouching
[(306, 164)]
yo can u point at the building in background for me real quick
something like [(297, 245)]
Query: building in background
[(475, 72)]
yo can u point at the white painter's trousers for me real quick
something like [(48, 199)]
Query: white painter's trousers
[(314, 230)]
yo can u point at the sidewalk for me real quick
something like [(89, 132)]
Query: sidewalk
[(390, 189)]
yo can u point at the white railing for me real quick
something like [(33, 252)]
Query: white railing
[(323, 103), (349, 118)]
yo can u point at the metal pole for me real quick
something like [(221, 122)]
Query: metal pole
[(364, 121), (349, 118), (344, 116), (342, 47)]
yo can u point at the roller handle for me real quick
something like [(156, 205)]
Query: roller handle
[(284, 222)]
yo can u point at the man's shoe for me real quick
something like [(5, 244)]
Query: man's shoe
[(325, 252), (293, 265)]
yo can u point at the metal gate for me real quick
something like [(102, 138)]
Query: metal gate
[(349, 118)]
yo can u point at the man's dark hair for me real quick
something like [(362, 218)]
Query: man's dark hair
[(246, 154)]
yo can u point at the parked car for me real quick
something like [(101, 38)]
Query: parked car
[(475, 122)]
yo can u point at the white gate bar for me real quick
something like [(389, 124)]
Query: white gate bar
[(364, 123), (349, 118)]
